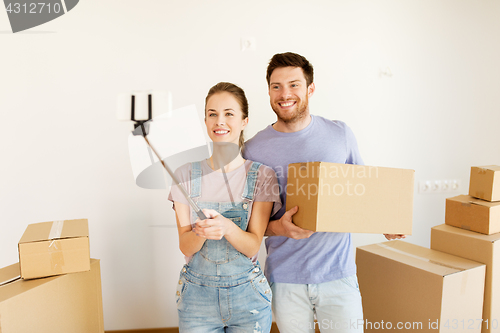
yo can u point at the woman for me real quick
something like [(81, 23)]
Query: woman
[(222, 287)]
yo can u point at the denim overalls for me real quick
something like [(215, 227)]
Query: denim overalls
[(221, 289)]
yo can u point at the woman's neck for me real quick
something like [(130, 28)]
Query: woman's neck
[(225, 155)]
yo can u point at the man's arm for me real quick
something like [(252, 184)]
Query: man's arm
[(285, 227)]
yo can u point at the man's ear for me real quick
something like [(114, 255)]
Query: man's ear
[(311, 89)]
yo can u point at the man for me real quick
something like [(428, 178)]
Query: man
[(311, 274)]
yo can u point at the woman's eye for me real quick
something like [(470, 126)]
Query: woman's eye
[(212, 114), (229, 114)]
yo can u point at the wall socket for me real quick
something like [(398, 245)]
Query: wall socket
[(248, 43), (439, 186)]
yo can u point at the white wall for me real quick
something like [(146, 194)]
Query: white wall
[(64, 156)]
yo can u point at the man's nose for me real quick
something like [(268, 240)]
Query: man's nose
[(285, 93)]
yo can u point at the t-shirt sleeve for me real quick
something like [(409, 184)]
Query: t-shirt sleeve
[(246, 152), (267, 188), (353, 155), (183, 175)]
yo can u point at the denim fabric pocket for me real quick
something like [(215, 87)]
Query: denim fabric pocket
[(262, 288), (181, 289), (236, 220), (221, 251), (351, 281)]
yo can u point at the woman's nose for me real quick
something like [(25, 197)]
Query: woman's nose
[(221, 120)]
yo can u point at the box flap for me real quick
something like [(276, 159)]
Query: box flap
[(430, 260), (489, 238), (55, 230), (9, 274), (467, 199), (485, 203), (490, 167)]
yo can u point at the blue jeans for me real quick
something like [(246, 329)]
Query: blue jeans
[(236, 304), (336, 304)]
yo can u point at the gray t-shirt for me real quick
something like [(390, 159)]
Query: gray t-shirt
[(325, 256), (215, 189)]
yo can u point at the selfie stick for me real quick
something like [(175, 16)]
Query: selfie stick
[(141, 127)]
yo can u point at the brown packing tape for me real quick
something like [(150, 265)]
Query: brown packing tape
[(56, 257), (388, 247), (444, 265), (465, 227), (466, 204), (463, 286)]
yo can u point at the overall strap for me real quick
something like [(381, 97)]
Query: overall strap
[(195, 180), (249, 188)]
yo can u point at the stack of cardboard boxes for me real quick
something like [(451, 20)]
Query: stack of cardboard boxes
[(454, 286), (55, 287), (472, 231)]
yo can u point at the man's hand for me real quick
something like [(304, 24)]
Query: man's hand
[(394, 236), (289, 229)]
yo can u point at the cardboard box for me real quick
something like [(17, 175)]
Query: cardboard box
[(469, 213), (481, 248), (53, 248), (59, 304), (412, 288), (351, 198), (485, 182)]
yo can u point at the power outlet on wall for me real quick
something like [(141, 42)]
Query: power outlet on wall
[(248, 43), (439, 186)]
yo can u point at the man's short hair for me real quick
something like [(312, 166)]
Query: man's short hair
[(290, 59)]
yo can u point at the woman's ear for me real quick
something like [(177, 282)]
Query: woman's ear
[(245, 123)]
